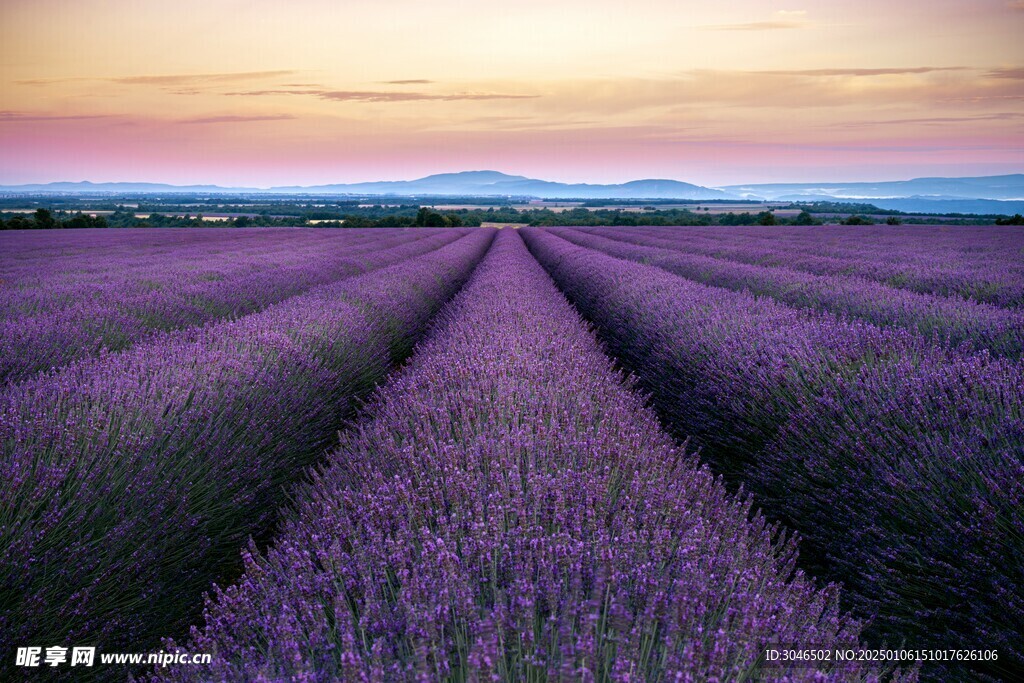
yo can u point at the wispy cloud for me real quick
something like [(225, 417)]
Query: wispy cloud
[(863, 72), (23, 116), (781, 20), (236, 119), (409, 81), (840, 88), (1016, 4), (184, 79), (165, 80), (382, 96), (1014, 72), (273, 91), (373, 96), (938, 120)]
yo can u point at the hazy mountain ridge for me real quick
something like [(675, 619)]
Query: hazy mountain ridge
[(467, 183), (1000, 187), (981, 194)]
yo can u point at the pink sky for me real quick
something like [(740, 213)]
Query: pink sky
[(254, 92)]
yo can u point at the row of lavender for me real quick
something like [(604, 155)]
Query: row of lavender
[(94, 250), (39, 281), (947, 320), (78, 248), (513, 512), (900, 462), (60, 309), (983, 264), (129, 482)]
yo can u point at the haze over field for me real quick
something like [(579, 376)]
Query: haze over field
[(257, 93)]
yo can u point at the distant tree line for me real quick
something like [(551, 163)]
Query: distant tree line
[(670, 217), (412, 216), (43, 219)]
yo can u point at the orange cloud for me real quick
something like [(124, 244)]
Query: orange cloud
[(187, 79), (168, 79), (1016, 72), (862, 72), (237, 119), (22, 116), (383, 96)]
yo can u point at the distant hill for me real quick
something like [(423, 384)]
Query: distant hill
[(85, 187), (467, 183), (1005, 187), (945, 206), (1003, 194)]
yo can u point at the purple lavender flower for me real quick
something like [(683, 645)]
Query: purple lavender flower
[(88, 293), (510, 510), (129, 481), (899, 461)]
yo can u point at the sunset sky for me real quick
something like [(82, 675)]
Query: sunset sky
[(263, 92)]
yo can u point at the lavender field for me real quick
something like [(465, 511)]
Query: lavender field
[(462, 454)]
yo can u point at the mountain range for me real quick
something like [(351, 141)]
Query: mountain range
[(984, 187), (985, 194), (466, 183)]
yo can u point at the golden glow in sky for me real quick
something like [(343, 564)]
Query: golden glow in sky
[(254, 92)]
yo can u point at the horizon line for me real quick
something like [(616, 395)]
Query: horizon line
[(218, 185)]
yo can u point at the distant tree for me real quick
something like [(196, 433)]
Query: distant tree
[(44, 219), (78, 221), (1016, 219), (452, 221), (243, 222), (435, 220), (766, 218), (893, 220), (429, 219), (803, 218), (857, 220)]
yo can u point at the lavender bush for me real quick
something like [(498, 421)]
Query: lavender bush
[(63, 307), (130, 481), (983, 264), (513, 512), (947, 320), (900, 462)]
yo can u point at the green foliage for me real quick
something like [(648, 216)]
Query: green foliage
[(44, 219), (805, 218), (349, 212)]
